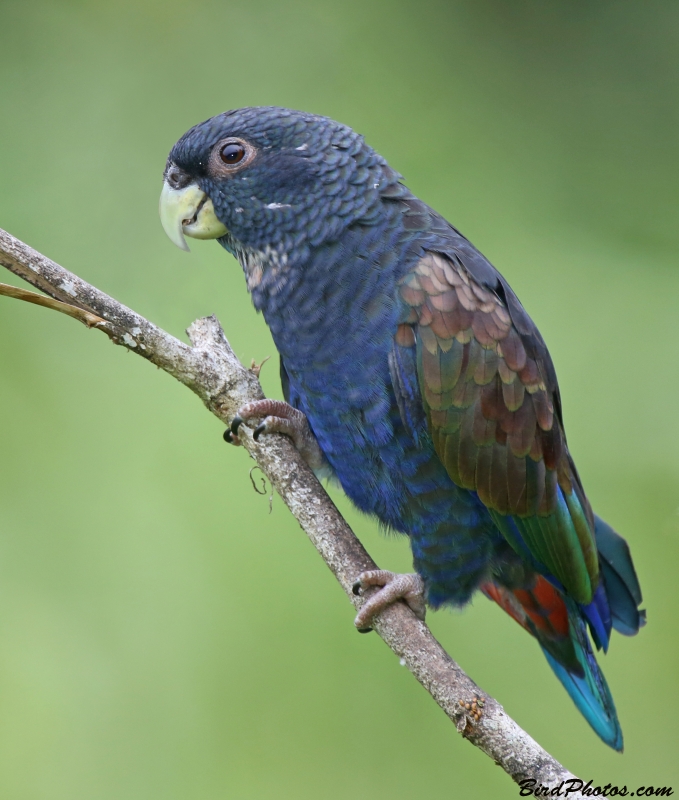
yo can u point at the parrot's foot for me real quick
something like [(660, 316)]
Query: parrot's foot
[(279, 417), (408, 587)]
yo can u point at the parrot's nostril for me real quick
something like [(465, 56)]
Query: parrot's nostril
[(177, 178)]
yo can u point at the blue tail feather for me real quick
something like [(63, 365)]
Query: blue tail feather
[(589, 690), (598, 615), (620, 579)]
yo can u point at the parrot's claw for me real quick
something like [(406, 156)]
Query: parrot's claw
[(394, 586), (279, 417), (231, 438), (236, 422), (261, 428)]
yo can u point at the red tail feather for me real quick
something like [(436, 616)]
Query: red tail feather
[(540, 607)]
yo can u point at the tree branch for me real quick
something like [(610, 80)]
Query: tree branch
[(210, 369)]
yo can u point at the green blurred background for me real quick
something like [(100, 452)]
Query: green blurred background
[(162, 635)]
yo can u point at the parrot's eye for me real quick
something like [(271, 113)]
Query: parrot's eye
[(232, 153)]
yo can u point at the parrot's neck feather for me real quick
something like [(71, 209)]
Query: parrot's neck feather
[(256, 263)]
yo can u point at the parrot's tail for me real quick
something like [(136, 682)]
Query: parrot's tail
[(557, 623), (561, 627)]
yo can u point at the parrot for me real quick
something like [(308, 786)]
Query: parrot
[(413, 376)]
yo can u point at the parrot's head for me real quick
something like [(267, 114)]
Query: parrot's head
[(270, 181)]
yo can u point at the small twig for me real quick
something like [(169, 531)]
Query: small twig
[(252, 480), (256, 368), (211, 369), (254, 485), (91, 320)]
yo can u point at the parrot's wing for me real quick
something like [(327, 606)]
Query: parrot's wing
[(493, 410)]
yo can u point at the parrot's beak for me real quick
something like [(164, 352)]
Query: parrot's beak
[(188, 211)]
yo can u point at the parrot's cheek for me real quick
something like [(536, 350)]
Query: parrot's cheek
[(188, 212)]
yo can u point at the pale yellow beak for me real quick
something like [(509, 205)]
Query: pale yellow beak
[(188, 212)]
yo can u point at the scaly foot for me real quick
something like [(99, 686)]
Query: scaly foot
[(279, 417), (408, 587)]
